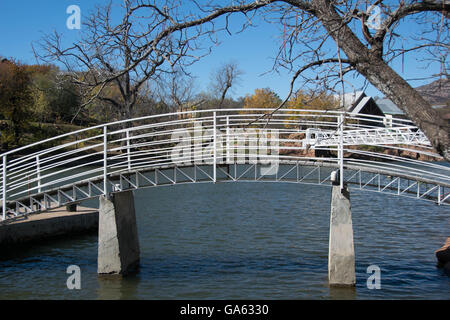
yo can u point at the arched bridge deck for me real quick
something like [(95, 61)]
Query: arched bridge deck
[(227, 145)]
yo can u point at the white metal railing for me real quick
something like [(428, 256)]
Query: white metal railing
[(224, 136), (380, 136)]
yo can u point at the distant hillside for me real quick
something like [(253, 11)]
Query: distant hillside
[(436, 92)]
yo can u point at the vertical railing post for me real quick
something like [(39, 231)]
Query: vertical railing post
[(128, 150), (215, 146), (439, 195), (38, 173), (4, 189), (105, 160), (228, 141), (341, 151)]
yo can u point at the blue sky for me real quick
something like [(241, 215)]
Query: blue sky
[(24, 21)]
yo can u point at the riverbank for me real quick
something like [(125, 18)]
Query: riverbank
[(443, 256), (56, 222)]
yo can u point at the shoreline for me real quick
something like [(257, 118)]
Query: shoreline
[(54, 223)]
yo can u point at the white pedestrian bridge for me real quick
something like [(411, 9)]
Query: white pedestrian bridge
[(224, 145)]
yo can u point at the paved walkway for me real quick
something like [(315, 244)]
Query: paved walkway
[(56, 222)]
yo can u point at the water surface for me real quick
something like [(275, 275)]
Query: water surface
[(245, 241)]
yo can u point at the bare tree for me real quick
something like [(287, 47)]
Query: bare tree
[(334, 37), (177, 90), (310, 27), (365, 47), (124, 56), (224, 78)]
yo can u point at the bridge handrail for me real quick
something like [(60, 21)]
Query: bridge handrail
[(120, 147), (268, 110)]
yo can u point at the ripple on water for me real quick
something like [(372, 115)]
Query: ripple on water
[(245, 241)]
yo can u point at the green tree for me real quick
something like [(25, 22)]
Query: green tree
[(55, 98), (15, 101)]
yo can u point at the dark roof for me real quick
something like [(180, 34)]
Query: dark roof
[(361, 104), (388, 107)]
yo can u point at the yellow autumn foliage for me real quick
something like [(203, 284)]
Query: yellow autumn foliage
[(308, 101)]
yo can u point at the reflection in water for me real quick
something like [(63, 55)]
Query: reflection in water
[(342, 293), (117, 287)]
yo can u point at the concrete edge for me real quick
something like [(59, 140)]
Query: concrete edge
[(56, 223)]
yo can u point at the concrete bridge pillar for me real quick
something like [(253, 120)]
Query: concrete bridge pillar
[(118, 243), (341, 254)]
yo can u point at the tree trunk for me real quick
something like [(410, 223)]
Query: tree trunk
[(222, 98), (371, 65), (410, 101)]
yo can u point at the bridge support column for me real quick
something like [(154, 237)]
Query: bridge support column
[(341, 254), (118, 243)]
